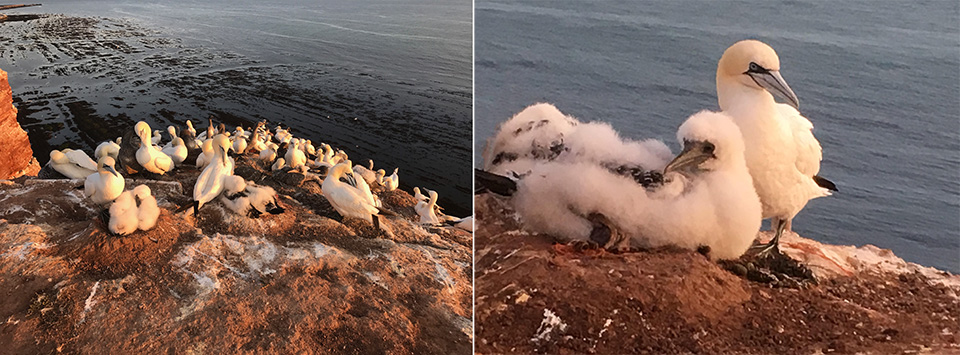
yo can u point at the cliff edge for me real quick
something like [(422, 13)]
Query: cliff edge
[(537, 296), (16, 156), (303, 281)]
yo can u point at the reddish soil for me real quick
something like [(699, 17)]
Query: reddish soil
[(297, 282), (669, 301)]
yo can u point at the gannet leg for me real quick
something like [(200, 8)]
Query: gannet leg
[(773, 247)]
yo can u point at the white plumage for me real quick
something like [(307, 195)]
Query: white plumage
[(708, 198), (541, 133), (206, 154), (348, 200), (295, 157), (781, 152), (74, 164), (391, 182), (369, 176), (147, 211), (210, 183), (123, 214), (106, 184), (150, 157), (427, 210), (108, 148), (177, 151)]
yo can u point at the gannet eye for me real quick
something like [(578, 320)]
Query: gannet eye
[(755, 68), (708, 148)]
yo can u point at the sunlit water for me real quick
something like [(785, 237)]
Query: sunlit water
[(383, 80)]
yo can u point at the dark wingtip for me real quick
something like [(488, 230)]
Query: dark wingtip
[(824, 183), (276, 210), (490, 182)]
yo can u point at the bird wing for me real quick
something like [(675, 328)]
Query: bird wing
[(809, 152), (82, 159), (90, 184), (209, 184), (351, 199)]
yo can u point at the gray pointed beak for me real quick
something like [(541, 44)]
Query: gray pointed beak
[(774, 83), (112, 170), (689, 159)]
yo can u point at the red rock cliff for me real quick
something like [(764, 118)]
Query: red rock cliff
[(16, 156)]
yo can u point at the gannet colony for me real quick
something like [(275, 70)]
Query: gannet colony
[(138, 152)]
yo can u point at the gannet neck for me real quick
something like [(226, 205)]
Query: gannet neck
[(739, 100)]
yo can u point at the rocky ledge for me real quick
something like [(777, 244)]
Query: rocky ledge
[(537, 296), (298, 282)]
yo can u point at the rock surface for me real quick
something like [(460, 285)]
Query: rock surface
[(298, 282), (16, 156), (537, 296)]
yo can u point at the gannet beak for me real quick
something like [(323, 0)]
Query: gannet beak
[(774, 83), (693, 154), (112, 170)]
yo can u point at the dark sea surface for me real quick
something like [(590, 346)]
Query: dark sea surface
[(880, 80), (383, 80)]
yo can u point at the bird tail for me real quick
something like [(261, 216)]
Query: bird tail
[(824, 183), (827, 187), (387, 212), (184, 207), (490, 182)]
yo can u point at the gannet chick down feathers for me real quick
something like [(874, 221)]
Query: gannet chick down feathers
[(123, 214), (708, 200), (781, 152), (147, 211), (541, 133)]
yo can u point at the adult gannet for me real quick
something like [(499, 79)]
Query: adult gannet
[(177, 152), (191, 129), (708, 199), (210, 183), (147, 211), (155, 139), (256, 140), (172, 131), (150, 157), (294, 156), (206, 156), (781, 152), (465, 223), (269, 153), (368, 174), (107, 148), (427, 210), (104, 185), (123, 214), (391, 182), (278, 164), (240, 142), (309, 148), (348, 200), (74, 164), (417, 196)]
